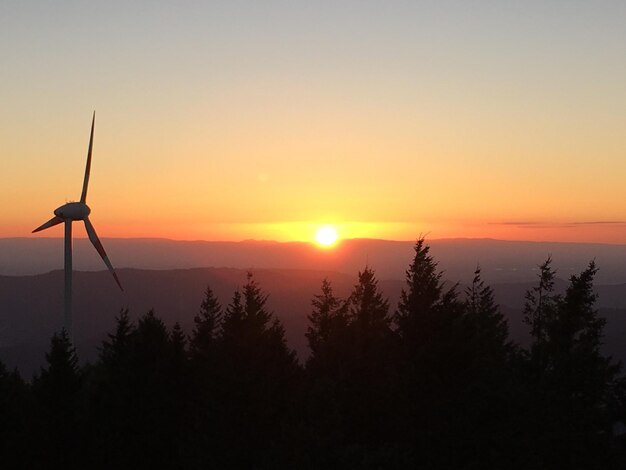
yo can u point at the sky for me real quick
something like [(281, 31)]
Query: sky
[(389, 119)]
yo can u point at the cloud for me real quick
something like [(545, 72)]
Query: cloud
[(530, 224)]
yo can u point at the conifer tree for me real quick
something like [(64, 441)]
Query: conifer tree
[(370, 378), (428, 318), (15, 419), (206, 325), (325, 390), (422, 294), (255, 381), (453, 354), (540, 306), (178, 345), (577, 386), (140, 395), (233, 323), (56, 390), (118, 345), (327, 324), (369, 312), (61, 378), (488, 326), (204, 406)]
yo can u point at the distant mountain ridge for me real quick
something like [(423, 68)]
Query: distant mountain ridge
[(501, 261), (31, 306), (171, 276)]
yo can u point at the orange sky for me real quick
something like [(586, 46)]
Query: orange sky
[(238, 121)]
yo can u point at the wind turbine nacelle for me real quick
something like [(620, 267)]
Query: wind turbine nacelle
[(73, 211)]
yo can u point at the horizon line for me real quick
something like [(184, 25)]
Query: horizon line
[(305, 242)]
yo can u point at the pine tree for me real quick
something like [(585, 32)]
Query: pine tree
[(541, 305), (370, 378), (204, 406), (369, 312), (15, 421), (488, 326), (178, 345), (118, 344), (325, 390), (428, 319), (327, 322), (454, 355), (233, 323), (207, 325), (255, 380), (140, 396), (61, 377), (423, 293), (575, 388), (57, 390)]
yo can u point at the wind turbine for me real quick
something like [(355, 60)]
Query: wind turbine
[(67, 214)]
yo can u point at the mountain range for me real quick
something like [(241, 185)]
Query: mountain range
[(171, 276)]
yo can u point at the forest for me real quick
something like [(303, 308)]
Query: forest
[(432, 383)]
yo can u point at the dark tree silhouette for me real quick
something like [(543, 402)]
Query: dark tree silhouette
[(577, 387), (325, 390), (204, 408), (488, 328), (540, 308), (57, 391), (118, 346), (255, 383), (207, 325), (455, 357), (437, 386), (328, 318), (15, 420), (371, 379), (141, 389), (351, 378), (422, 295)]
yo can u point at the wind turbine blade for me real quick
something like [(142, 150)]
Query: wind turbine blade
[(51, 223), (95, 241), (83, 196)]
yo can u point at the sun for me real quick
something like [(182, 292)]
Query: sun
[(326, 236)]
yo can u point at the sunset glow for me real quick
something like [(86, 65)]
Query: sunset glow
[(388, 122), (326, 236)]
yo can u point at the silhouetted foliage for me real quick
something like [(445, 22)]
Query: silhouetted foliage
[(578, 389), (488, 329), (255, 383), (371, 363), (327, 328), (15, 419), (540, 308), (204, 407), (56, 391), (438, 385), (140, 389), (455, 357), (207, 325)]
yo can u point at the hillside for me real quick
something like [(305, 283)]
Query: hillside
[(501, 261), (31, 306)]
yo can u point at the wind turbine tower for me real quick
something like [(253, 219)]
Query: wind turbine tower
[(68, 213)]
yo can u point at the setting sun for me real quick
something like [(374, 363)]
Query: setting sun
[(326, 236)]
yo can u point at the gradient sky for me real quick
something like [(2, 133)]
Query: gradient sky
[(262, 119)]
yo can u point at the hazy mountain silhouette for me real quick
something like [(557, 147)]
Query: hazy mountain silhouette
[(500, 261), (31, 306)]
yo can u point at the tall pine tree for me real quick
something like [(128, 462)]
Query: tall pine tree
[(57, 391), (255, 381), (577, 387)]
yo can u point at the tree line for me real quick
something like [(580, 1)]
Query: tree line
[(434, 384)]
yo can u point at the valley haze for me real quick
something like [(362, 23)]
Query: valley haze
[(500, 260), (170, 277)]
